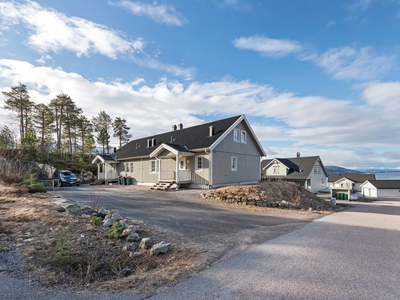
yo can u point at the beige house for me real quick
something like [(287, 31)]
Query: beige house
[(308, 172), (223, 152), (347, 184)]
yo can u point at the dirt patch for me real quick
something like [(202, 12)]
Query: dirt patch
[(271, 194), (63, 249)]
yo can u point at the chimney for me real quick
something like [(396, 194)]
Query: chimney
[(211, 131), (148, 143), (298, 154), (115, 149), (173, 127), (180, 126), (153, 142)]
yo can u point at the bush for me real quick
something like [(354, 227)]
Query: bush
[(96, 220), (60, 252), (116, 231), (12, 179), (32, 184)]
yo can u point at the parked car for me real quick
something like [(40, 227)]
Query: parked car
[(68, 178)]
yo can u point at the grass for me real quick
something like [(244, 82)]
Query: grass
[(73, 251)]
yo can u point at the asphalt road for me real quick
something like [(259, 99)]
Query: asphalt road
[(223, 230), (353, 254)]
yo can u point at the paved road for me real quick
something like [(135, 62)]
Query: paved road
[(353, 254), (223, 230)]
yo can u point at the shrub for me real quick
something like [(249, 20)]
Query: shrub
[(12, 179), (61, 253), (32, 184), (116, 231), (96, 220)]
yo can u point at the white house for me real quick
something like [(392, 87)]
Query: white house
[(381, 188), (308, 172)]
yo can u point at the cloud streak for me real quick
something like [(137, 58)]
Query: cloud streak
[(275, 48), (159, 13)]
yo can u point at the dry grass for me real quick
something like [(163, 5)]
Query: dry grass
[(60, 248)]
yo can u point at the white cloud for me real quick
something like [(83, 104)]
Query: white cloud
[(331, 23), (235, 4), (158, 13), (43, 58), (304, 121), (269, 47), (359, 5), (52, 31), (351, 63)]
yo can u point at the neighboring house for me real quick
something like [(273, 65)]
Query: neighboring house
[(308, 172), (342, 186), (381, 188), (224, 152)]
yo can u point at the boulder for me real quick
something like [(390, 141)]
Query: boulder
[(160, 248), (74, 208), (109, 222), (126, 272), (127, 231), (135, 254), (129, 247), (134, 237), (145, 243), (102, 212)]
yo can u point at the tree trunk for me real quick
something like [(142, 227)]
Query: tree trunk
[(22, 132), (70, 138)]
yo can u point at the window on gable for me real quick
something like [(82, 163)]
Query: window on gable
[(236, 135), (276, 169), (243, 136), (319, 169), (199, 162), (315, 169), (233, 163)]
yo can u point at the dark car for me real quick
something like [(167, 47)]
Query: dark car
[(67, 178)]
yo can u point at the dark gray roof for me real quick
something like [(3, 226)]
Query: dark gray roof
[(194, 137), (386, 184), (107, 157), (180, 148), (299, 167), (359, 178)]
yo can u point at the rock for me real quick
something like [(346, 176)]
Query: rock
[(126, 232), (160, 248), (60, 209), (126, 272), (145, 243), (74, 208), (102, 212), (134, 237), (19, 245), (135, 254), (109, 222), (129, 247)]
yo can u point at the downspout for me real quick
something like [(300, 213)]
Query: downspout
[(159, 168), (141, 171), (177, 170), (210, 167)]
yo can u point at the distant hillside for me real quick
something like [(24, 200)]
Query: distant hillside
[(340, 170)]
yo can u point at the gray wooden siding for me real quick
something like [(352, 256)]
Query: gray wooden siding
[(248, 160), (141, 172)]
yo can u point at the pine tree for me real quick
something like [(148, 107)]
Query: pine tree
[(28, 145), (103, 138), (6, 138), (84, 128), (102, 124), (90, 144), (121, 131), (43, 119), (18, 101)]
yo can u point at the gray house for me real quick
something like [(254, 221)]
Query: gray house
[(308, 172), (223, 152)]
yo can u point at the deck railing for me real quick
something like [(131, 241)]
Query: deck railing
[(110, 175), (167, 175)]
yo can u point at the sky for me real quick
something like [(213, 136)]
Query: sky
[(314, 76)]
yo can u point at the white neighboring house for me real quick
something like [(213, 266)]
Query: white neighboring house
[(308, 172), (349, 181), (381, 188)]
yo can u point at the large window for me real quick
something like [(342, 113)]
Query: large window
[(131, 168), (233, 163), (276, 169), (243, 137), (236, 133), (199, 162)]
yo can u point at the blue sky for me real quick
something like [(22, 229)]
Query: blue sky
[(316, 77)]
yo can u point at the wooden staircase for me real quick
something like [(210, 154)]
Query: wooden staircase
[(162, 186)]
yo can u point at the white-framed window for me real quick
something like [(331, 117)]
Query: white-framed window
[(233, 163), (315, 169), (243, 136), (276, 169), (322, 182), (132, 167), (199, 163), (153, 167), (319, 169), (112, 167), (182, 164), (127, 170), (236, 133)]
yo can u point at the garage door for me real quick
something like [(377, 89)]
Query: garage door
[(366, 192), (388, 193), (373, 192)]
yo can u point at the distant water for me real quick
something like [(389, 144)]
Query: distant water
[(388, 175)]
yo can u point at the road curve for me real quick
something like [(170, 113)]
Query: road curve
[(353, 254)]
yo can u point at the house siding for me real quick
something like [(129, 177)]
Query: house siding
[(318, 181), (270, 170), (248, 160), (141, 174)]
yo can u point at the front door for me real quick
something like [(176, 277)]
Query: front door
[(182, 164)]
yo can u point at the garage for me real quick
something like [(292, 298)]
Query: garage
[(381, 188)]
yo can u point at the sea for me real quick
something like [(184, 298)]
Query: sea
[(387, 175)]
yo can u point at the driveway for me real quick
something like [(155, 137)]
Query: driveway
[(352, 254), (184, 217)]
